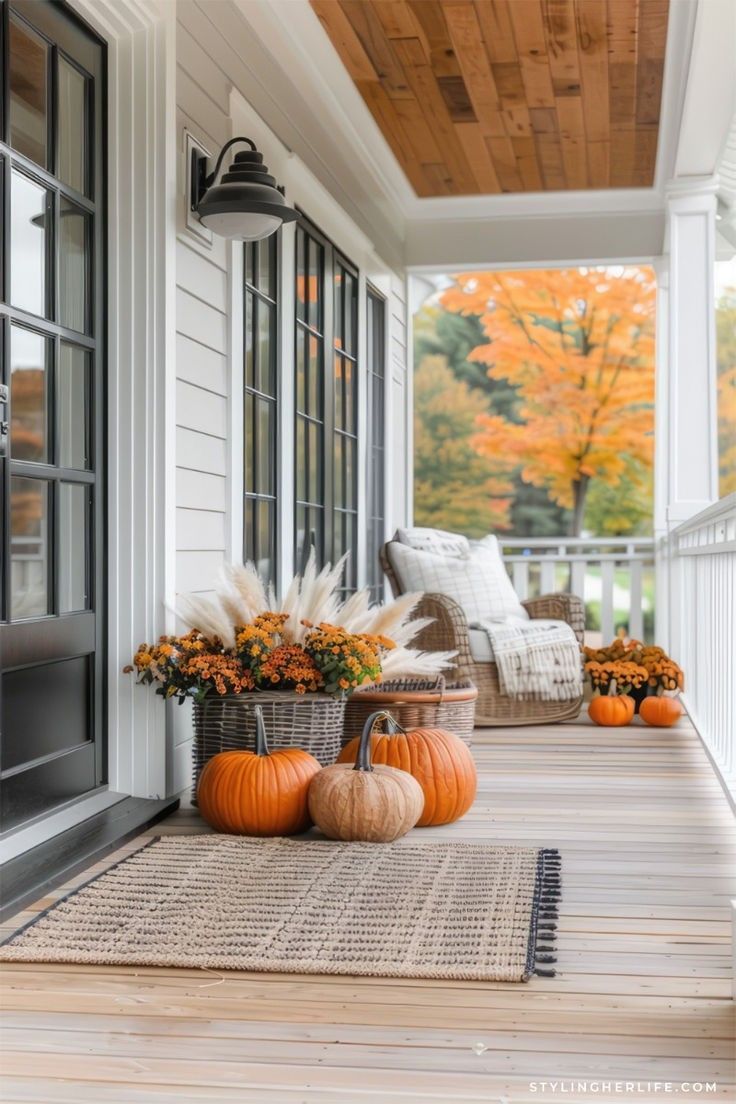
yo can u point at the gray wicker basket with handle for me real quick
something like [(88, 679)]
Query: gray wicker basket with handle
[(416, 703), (313, 722)]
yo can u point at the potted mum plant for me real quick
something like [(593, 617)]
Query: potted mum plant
[(300, 658)]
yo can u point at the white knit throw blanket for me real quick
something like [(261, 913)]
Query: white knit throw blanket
[(537, 660)]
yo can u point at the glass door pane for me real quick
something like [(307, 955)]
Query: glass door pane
[(29, 360), (28, 73), (31, 208), (29, 548)]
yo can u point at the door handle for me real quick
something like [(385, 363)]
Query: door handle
[(4, 397)]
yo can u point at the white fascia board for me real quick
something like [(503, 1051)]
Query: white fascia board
[(710, 96), (535, 241)]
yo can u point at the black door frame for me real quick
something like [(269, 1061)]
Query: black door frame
[(30, 645)]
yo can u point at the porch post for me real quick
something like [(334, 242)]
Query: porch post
[(686, 469)]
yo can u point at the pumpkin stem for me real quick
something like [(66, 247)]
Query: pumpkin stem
[(612, 687), (363, 758), (261, 741)]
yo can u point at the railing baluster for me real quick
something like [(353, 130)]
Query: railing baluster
[(577, 578), (547, 581), (704, 598), (521, 579), (607, 579), (636, 614)]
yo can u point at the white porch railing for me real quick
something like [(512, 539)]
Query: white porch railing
[(614, 577), (703, 589)]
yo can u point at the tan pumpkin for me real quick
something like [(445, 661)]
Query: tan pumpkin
[(257, 793), (441, 763), (610, 710), (376, 804), (660, 711)]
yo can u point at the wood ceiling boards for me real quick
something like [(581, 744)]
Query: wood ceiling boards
[(500, 96)]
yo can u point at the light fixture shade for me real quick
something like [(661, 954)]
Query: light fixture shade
[(246, 204)]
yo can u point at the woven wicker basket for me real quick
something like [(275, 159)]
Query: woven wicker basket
[(416, 703), (313, 722)]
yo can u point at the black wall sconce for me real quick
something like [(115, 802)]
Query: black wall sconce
[(247, 204)]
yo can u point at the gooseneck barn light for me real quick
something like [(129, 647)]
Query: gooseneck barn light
[(247, 204)]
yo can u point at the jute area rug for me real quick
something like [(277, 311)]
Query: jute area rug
[(409, 909)]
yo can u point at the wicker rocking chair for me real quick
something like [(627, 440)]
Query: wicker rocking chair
[(450, 631)]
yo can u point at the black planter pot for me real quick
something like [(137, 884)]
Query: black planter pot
[(638, 696)]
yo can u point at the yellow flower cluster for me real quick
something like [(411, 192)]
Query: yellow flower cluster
[(661, 670), (263, 658), (266, 632), (346, 660)]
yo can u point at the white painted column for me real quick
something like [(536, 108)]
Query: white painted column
[(686, 460)]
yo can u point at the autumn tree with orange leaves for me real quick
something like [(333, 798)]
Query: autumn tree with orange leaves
[(578, 346)]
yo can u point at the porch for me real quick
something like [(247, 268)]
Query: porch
[(585, 153), (642, 991)]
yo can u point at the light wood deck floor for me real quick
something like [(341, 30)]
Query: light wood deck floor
[(642, 991)]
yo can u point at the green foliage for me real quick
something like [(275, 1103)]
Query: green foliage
[(454, 487)]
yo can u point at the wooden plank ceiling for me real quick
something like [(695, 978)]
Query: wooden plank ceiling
[(489, 96)]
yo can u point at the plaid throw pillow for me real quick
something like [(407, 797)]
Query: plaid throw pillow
[(438, 541), (478, 582)]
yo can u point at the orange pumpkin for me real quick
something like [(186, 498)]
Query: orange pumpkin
[(660, 711), (630, 704), (441, 763), (611, 710), (258, 793)]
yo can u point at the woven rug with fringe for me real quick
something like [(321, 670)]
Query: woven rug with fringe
[(428, 909)]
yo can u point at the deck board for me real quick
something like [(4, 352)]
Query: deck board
[(642, 990)]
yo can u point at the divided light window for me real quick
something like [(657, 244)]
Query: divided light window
[(376, 361), (326, 387), (261, 404)]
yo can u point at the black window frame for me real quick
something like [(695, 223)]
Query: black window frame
[(325, 326), (376, 320), (255, 300)]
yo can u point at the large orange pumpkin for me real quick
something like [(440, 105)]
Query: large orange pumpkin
[(441, 763), (660, 711), (258, 793), (611, 710)]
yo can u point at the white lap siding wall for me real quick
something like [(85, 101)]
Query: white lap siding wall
[(216, 56)]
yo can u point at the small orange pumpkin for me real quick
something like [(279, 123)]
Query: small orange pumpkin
[(610, 710), (630, 704), (257, 793), (441, 763), (660, 711)]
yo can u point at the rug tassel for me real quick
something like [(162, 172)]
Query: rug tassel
[(549, 890)]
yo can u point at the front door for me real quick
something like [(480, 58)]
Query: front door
[(52, 408)]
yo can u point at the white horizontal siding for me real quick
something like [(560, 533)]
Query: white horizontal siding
[(200, 529), (200, 409), (200, 365), (199, 320), (200, 452), (198, 571), (197, 487), (200, 276)]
